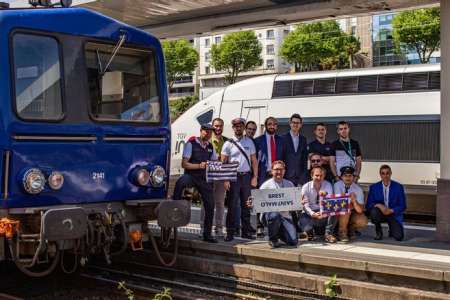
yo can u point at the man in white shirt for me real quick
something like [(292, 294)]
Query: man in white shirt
[(240, 149), (356, 220), (280, 224), (311, 220)]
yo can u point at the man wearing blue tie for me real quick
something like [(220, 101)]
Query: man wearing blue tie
[(268, 149), (386, 202)]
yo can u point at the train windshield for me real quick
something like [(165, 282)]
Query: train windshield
[(127, 90), (37, 73)]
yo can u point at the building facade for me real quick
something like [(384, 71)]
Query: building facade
[(271, 38)]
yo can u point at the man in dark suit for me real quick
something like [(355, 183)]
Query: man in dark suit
[(269, 148), (386, 202), (295, 152)]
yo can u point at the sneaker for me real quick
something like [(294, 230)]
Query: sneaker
[(218, 231), (260, 232), (343, 237), (329, 238)]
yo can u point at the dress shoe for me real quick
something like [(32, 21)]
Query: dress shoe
[(378, 236), (260, 233), (248, 236), (209, 239), (228, 238), (274, 244)]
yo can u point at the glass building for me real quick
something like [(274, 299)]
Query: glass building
[(384, 52)]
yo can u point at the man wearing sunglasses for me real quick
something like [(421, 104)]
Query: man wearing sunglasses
[(316, 160), (386, 202)]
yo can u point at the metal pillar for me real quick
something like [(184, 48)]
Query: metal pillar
[(443, 198)]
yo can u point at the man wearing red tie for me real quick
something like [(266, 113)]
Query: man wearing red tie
[(269, 148)]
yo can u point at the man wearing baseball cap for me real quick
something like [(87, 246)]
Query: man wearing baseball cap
[(356, 220), (196, 153), (240, 149)]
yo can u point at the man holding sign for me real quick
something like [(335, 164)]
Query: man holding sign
[(356, 220), (279, 223)]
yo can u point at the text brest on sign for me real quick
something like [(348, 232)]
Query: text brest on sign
[(272, 200)]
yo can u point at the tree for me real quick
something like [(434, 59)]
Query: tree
[(238, 52), (180, 105), (418, 30), (181, 59), (319, 45)]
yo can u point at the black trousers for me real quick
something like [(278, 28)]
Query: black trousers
[(238, 212), (395, 228), (206, 191)]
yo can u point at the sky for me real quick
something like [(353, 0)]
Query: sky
[(24, 3)]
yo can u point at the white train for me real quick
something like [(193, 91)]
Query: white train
[(394, 113)]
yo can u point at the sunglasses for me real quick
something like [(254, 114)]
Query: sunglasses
[(315, 160), (384, 173)]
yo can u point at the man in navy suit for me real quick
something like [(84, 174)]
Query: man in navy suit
[(269, 148), (295, 152), (386, 202)]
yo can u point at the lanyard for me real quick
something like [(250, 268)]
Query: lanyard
[(349, 150)]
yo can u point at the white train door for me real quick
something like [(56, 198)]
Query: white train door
[(255, 111)]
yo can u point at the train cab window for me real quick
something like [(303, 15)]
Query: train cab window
[(205, 117), (122, 86), (37, 77)]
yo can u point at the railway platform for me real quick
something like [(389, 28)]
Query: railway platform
[(417, 268)]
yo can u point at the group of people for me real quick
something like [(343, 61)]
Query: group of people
[(272, 161)]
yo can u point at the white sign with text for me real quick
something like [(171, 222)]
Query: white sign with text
[(272, 200)]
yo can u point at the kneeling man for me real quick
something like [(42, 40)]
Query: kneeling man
[(356, 220), (280, 224), (386, 203)]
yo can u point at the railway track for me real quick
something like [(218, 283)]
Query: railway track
[(151, 279)]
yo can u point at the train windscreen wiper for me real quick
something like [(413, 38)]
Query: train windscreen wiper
[(113, 55)]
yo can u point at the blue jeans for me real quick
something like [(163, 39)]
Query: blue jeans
[(280, 228)]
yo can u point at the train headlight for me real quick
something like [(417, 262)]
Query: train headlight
[(33, 181), (142, 177), (158, 176), (55, 180)]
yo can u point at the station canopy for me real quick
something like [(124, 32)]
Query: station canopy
[(173, 18)]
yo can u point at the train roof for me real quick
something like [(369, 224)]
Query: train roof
[(361, 72), (74, 21)]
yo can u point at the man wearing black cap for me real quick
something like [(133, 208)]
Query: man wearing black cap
[(196, 153), (240, 149), (356, 220)]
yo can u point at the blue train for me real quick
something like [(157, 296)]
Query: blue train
[(84, 136)]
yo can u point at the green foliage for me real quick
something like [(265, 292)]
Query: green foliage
[(238, 52), (331, 287), (166, 294), (418, 30), (181, 59), (319, 45), (180, 105), (129, 293)]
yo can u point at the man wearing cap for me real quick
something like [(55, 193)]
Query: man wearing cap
[(356, 220), (195, 155), (269, 149), (240, 149)]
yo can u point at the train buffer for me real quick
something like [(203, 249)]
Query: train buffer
[(416, 268)]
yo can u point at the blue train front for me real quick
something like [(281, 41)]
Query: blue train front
[(84, 135)]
